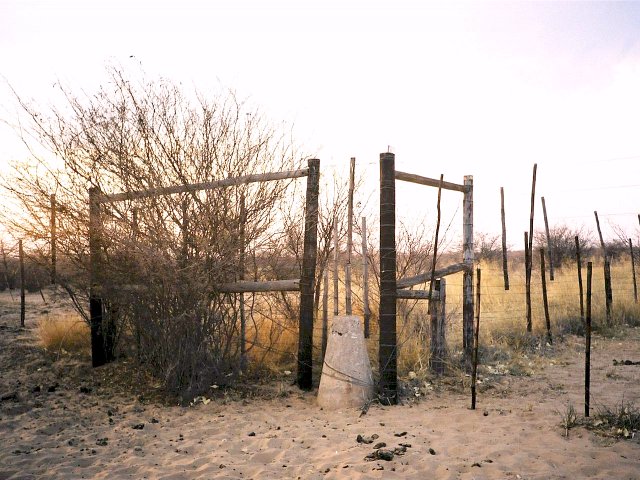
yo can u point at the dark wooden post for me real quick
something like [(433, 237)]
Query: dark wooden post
[(587, 356), (505, 268), (467, 278), (633, 272), (336, 272), (546, 229), (474, 373), (347, 270), (325, 312), (527, 279), (387, 350), (241, 268), (365, 279), (305, 338), (434, 257), (98, 347), (52, 223), (22, 284), (579, 262), (608, 294), (533, 198), (438, 327), (545, 301)]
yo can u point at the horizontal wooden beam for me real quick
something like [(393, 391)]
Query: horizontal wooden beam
[(426, 277), (430, 182), (194, 187), (269, 286), (417, 294)]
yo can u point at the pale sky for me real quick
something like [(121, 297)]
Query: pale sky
[(482, 88)]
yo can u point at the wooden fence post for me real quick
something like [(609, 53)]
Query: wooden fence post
[(325, 312), (336, 273), (347, 276), (387, 350), (22, 284), (52, 223), (438, 328), (633, 272), (98, 347), (533, 198), (527, 268), (467, 278), (587, 356), (546, 229), (545, 301), (608, 294), (505, 268), (579, 262), (474, 373), (305, 337), (435, 243), (365, 279)]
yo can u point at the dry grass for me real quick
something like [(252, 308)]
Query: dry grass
[(64, 333)]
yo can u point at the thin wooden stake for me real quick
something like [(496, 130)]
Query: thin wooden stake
[(52, 224), (365, 279), (336, 251), (579, 262), (549, 249), (608, 294), (545, 301), (527, 262), (22, 284), (241, 269), (435, 241), (533, 198), (633, 272), (347, 277), (438, 327), (505, 268), (587, 356), (474, 374), (325, 312)]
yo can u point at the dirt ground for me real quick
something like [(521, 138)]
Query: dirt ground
[(59, 418)]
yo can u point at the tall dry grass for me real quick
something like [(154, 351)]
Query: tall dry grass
[(64, 333)]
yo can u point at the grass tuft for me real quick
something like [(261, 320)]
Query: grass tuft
[(64, 333)]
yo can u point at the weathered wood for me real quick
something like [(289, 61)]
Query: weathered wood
[(438, 346), (533, 203), (608, 293), (467, 279), (194, 187), (633, 272), (54, 239), (325, 312), (527, 267), (387, 351), (98, 350), (247, 286), (602, 245), (23, 309), (505, 268), (336, 272), (474, 373), (417, 294), (347, 277), (365, 279), (579, 263), (430, 182), (309, 257), (434, 257), (426, 277), (546, 229), (587, 347), (545, 300)]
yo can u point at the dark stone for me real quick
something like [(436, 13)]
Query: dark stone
[(138, 426), (432, 451), (102, 442), (401, 434), (252, 434), (85, 390), (379, 445)]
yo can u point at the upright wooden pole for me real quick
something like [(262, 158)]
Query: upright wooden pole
[(587, 356), (336, 273), (467, 279), (608, 293), (387, 350), (347, 276), (435, 242), (325, 312), (579, 262), (505, 268), (98, 345), (241, 269), (546, 229), (52, 224), (365, 279), (527, 267), (305, 338), (533, 203), (438, 327), (633, 272), (22, 284), (474, 374), (545, 301)]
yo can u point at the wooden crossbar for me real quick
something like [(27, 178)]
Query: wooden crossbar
[(430, 182), (426, 277), (417, 294)]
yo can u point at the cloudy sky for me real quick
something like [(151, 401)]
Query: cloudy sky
[(482, 88)]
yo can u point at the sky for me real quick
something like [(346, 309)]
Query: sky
[(454, 88)]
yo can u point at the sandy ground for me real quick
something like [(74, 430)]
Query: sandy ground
[(61, 419)]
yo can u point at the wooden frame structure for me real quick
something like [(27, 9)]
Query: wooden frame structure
[(101, 351), (391, 288)]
